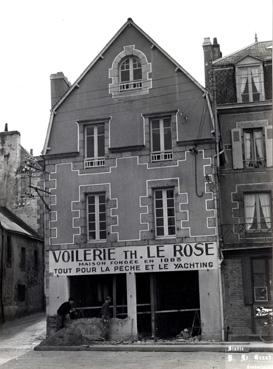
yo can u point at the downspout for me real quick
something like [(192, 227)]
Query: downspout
[(214, 120), (2, 275)]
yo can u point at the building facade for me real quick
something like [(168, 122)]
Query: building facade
[(21, 228), (241, 84), (129, 155)]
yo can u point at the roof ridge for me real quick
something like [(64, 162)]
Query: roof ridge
[(238, 51)]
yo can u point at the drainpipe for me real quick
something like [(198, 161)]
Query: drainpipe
[(2, 316), (218, 200)]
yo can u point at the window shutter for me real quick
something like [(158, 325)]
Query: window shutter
[(247, 280), (237, 149), (268, 146)]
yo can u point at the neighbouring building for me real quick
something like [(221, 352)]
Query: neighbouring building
[(241, 84), (21, 242), (129, 156)]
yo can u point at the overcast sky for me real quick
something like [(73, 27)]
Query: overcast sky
[(41, 37)]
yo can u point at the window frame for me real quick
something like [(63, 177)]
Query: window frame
[(131, 83), (267, 286), (257, 216), (95, 160), (254, 161), (163, 154), (244, 70), (166, 217), (97, 214)]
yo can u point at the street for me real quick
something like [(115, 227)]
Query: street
[(19, 337), (137, 360)]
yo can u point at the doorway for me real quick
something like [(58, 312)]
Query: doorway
[(167, 303)]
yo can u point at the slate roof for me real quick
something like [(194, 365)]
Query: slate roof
[(259, 50), (10, 222)]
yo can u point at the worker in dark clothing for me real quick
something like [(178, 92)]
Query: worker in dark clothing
[(67, 308), (105, 316)]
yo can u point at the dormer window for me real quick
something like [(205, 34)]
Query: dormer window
[(249, 81), (130, 74)]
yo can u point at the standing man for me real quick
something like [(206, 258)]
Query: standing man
[(105, 316), (65, 309)]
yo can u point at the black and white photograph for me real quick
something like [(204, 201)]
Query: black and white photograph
[(136, 184)]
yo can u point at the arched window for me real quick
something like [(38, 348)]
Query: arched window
[(130, 73)]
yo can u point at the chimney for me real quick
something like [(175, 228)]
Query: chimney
[(211, 53), (59, 85), (6, 127)]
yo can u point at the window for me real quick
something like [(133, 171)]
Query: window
[(94, 146), (96, 213), (130, 74), (257, 212), (9, 252), (21, 292), (36, 259), (161, 139), (254, 152), (164, 212), (262, 279), (250, 85), (23, 258)]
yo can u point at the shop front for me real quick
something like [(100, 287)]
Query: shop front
[(160, 290)]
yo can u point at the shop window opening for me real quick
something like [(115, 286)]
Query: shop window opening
[(90, 291), (168, 303)]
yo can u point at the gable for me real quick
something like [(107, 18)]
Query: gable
[(248, 61), (90, 97)]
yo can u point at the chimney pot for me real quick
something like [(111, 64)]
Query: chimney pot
[(206, 41), (6, 127)]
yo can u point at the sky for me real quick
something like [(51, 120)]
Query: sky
[(41, 37)]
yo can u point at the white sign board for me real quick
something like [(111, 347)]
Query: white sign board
[(137, 259)]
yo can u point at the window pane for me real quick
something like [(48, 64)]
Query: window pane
[(159, 212), (101, 145), (258, 265), (170, 193), (171, 231), (137, 74), (90, 147), (125, 76), (160, 231), (167, 139), (156, 140), (159, 204), (158, 194), (90, 131), (170, 203)]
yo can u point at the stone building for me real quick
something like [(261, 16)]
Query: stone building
[(129, 155), (241, 84), (21, 229)]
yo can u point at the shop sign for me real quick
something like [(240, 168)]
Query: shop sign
[(138, 259)]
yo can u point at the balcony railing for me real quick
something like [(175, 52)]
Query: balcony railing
[(240, 229), (130, 85), (161, 156), (94, 162), (254, 163)]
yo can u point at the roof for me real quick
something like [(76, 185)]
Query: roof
[(10, 222), (129, 23), (259, 50)]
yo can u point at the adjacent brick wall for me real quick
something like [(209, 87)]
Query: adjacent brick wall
[(237, 315)]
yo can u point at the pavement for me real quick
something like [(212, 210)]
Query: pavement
[(21, 335), (224, 347)]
